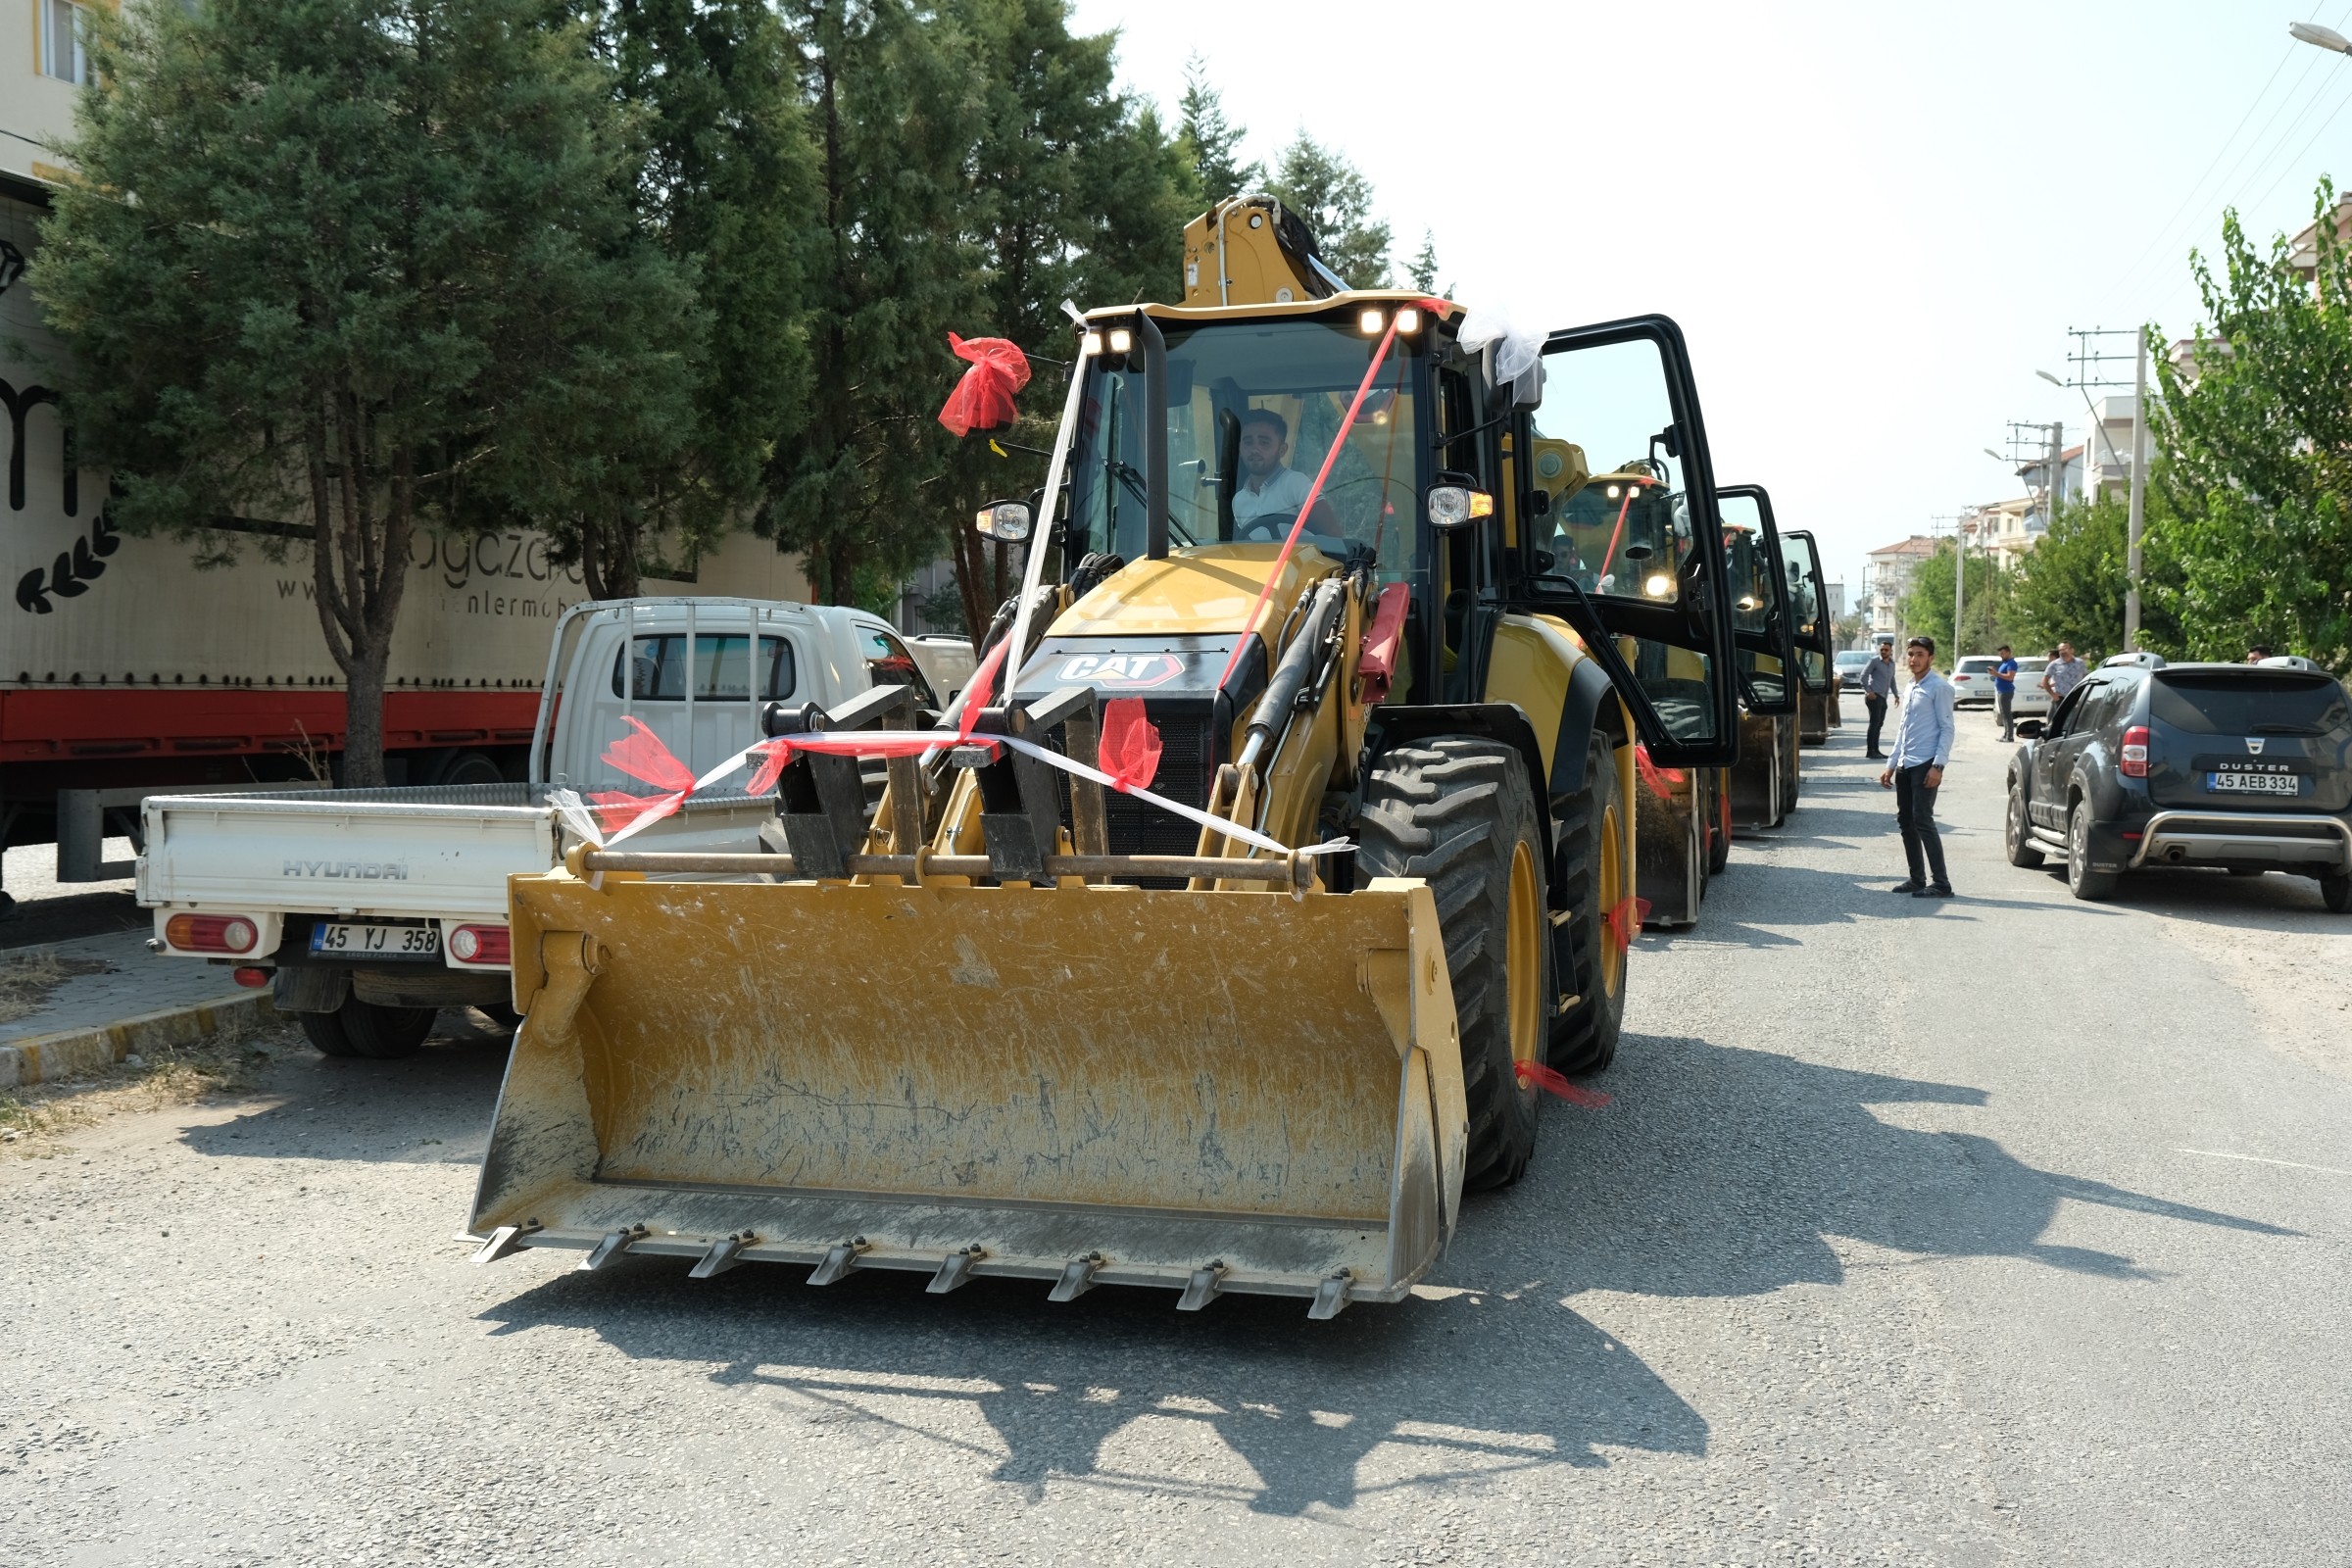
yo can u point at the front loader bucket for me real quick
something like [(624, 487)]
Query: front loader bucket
[(1211, 1092)]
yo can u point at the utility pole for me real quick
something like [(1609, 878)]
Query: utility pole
[(2139, 498)]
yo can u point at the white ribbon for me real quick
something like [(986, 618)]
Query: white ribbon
[(1232, 830)]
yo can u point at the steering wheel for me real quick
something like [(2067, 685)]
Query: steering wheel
[(1270, 527)]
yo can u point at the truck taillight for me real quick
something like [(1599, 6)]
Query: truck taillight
[(2136, 751), (211, 933), (481, 944)]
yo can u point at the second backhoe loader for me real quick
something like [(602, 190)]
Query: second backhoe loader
[(1277, 857)]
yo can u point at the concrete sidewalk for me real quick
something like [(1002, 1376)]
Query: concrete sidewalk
[(141, 1004)]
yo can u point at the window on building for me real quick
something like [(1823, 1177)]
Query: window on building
[(61, 52)]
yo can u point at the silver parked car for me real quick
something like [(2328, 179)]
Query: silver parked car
[(1973, 681)]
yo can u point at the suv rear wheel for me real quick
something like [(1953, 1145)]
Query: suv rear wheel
[(2080, 879)]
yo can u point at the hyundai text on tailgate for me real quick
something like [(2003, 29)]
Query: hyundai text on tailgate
[(2246, 768), (366, 909)]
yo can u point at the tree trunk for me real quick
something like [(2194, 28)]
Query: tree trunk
[(364, 699), (610, 567), (359, 565)]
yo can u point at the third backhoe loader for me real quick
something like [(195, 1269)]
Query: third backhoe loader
[(1762, 785), (1817, 697), (1222, 944)]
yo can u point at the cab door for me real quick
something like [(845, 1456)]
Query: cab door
[(1624, 534), (1809, 618), (1761, 601)]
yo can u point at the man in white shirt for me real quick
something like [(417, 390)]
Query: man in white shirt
[(1270, 489)]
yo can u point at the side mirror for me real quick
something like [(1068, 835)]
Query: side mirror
[(1005, 522), (2030, 729), (1454, 505)]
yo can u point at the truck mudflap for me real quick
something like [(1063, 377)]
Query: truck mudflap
[(1208, 1092)]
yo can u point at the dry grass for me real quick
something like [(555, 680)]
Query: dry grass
[(36, 1120), (27, 978)]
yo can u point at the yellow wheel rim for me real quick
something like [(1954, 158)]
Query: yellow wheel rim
[(1524, 959), (1612, 894)]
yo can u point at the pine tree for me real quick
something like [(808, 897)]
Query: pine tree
[(894, 110), (1209, 142), (1077, 194), (1423, 269), (368, 264), (1335, 199), (726, 189)]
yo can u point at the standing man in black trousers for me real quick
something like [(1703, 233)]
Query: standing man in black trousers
[(1922, 744), (1878, 688)]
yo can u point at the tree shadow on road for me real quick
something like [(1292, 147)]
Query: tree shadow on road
[(1716, 1172)]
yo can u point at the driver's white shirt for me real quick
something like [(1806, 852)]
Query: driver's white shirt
[(1284, 492)]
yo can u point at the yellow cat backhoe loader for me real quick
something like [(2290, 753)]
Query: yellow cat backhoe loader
[(1243, 1015), (1762, 786)]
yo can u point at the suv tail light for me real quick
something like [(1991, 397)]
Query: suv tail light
[(211, 933), (481, 944), (2136, 751)]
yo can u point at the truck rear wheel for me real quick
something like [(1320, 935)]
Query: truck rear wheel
[(1595, 879), (1460, 814), (369, 1029)]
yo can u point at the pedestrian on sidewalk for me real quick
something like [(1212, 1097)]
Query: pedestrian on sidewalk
[(1877, 687), (2004, 693), (1922, 744), (2065, 673)]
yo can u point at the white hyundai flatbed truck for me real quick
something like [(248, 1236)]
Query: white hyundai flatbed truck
[(368, 909)]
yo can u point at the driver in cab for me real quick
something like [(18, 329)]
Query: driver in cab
[(1269, 488)]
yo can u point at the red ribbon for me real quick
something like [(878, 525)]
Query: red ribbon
[(983, 397), (1624, 921), (1130, 747), (642, 755), (1661, 780), (983, 681), (1553, 1083)]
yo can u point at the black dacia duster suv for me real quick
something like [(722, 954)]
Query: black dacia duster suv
[(2243, 766)]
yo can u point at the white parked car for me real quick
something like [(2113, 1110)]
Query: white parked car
[(1973, 681)]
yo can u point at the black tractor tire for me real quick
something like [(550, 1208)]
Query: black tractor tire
[(2016, 832), (1584, 1039), (1459, 814), (2336, 892), (369, 1030), (467, 769), (2080, 880)]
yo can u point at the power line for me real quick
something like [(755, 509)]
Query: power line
[(2297, 161), (2133, 275), (2219, 153), (2288, 137)]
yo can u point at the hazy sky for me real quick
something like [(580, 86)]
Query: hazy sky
[(1875, 222)]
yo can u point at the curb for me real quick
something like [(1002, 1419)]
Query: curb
[(45, 1058)]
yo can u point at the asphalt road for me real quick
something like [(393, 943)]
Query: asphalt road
[(2003, 1230)]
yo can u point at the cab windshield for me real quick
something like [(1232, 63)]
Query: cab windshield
[(1253, 410)]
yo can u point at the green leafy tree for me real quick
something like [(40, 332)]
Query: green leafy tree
[(1210, 143), (365, 262), (1335, 200), (726, 189), (2070, 587), (2256, 434), (1078, 194), (894, 109), (1927, 606)]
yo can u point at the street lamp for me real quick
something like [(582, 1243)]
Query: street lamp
[(2097, 422), (2312, 32)]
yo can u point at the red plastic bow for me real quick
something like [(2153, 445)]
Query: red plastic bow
[(1131, 746), (1624, 921), (983, 397), (642, 755), (1661, 780), (1553, 1083)]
